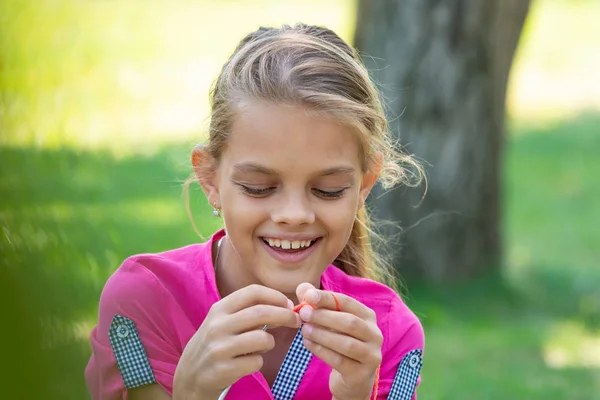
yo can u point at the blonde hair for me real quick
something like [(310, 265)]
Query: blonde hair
[(312, 67)]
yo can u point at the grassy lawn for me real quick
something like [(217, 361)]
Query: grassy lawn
[(537, 334), (69, 218), (94, 146)]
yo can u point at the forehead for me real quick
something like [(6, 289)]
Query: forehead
[(289, 138)]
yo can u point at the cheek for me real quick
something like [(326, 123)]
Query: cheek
[(339, 217), (240, 213)]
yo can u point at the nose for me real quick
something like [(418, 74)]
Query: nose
[(293, 209)]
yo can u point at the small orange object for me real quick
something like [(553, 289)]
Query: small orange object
[(301, 305), (304, 303), (337, 302)]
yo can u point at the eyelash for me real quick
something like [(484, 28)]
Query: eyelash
[(256, 192), (331, 195), (263, 192)]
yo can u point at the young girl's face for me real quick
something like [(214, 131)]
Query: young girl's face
[(289, 184)]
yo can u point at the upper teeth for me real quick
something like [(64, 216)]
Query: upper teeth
[(287, 244)]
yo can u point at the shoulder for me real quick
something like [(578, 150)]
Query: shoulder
[(377, 296), (147, 284), (143, 275)]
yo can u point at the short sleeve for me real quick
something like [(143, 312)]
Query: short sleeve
[(132, 343), (402, 354)]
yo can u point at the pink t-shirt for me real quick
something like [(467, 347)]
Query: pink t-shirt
[(154, 303)]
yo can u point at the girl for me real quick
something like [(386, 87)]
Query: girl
[(297, 140)]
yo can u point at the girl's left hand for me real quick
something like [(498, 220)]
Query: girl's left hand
[(348, 340)]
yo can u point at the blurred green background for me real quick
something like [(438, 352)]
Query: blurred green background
[(102, 101)]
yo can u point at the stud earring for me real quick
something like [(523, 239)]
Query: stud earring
[(216, 211)]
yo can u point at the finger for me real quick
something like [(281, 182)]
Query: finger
[(302, 289), (255, 317), (335, 360), (256, 341), (347, 346), (326, 299), (344, 323), (226, 373), (253, 295)]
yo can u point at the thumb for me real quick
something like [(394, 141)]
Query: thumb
[(302, 289)]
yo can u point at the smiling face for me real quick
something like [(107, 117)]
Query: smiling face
[(289, 184)]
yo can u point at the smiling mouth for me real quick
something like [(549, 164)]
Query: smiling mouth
[(289, 246)]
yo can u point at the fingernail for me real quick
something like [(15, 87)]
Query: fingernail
[(290, 304), (313, 295), (306, 313)]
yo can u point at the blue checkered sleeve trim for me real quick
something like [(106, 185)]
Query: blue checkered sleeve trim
[(292, 370), (130, 353), (408, 372)]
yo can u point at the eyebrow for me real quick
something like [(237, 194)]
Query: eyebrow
[(255, 168), (340, 170), (251, 167)]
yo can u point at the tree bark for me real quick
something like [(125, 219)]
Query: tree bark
[(442, 67)]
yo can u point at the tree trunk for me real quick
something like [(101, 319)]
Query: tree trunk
[(443, 66)]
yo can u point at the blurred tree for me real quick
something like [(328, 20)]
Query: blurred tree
[(443, 67)]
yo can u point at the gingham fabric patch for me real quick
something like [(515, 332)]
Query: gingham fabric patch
[(292, 370), (408, 372), (130, 354)]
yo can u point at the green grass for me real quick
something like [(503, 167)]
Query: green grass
[(539, 188), (70, 217), (487, 342), (536, 333)]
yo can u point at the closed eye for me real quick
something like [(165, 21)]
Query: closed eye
[(258, 192), (330, 195), (262, 192)]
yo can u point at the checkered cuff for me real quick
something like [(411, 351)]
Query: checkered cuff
[(407, 375), (292, 370), (130, 354)]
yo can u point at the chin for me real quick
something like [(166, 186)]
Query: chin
[(286, 281), (282, 284)]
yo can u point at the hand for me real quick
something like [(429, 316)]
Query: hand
[(348, 340), (229, 343)]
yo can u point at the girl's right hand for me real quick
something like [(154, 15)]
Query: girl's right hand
[(228, 344)]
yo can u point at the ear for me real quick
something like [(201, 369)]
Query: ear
[(205, 167), (369, 179)]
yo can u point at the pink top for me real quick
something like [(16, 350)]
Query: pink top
[(168, 295)]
